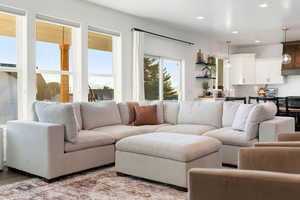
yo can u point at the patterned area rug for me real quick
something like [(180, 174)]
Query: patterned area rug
[(100, 184)]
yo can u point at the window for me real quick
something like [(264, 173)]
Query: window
[(161, 78), (53, 52), (100, 67), (8, 69)]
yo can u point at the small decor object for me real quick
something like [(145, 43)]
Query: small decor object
[(206, 72), (211, 60), (199, 56), (205, 87), (262, 91)]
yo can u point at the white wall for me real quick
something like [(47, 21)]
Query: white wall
[(90, 14), (291, 83)]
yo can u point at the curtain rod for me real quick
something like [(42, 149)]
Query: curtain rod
[(163, 36)]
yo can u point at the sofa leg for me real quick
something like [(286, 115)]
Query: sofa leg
[(120, 174), (181, 189), (49, 181)]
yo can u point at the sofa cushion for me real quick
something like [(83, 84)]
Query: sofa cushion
[(171, 110), (229, 111), (121, 131), (192, 129), (258, 114), (203, 113), (58, 113), (152, 128), (96, 115), (159, 111), (171, 146), (241, 116), (229, 136), (89, 139)]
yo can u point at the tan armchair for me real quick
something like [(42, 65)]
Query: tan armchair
[(269, 171)]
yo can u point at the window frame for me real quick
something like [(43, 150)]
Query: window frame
[(179, 69)]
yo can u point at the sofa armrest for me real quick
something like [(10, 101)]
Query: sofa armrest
[(270, 129), (278, 144), (35, 147), (276, 159), (285, 137), (222, 184)]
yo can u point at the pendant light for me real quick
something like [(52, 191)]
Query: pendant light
[(286, 58), (228, 64)]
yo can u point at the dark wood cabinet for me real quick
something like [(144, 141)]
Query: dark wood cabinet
[(293, 49)]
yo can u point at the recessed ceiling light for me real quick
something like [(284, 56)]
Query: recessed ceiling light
[(235, 32), (263, 5), (200, 17), (257, 41)]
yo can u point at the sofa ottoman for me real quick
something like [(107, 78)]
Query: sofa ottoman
[(166, 157)]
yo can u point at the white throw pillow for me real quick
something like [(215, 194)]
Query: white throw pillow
[(58, 113), (203, 113), (95, 115), (171, 112), (77, 112), (258, 114), (159, 107), (124, 112), (241, 116), (229, 111)]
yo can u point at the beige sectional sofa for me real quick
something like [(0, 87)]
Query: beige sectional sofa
[(40, 148)]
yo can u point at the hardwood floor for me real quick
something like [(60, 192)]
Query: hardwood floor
[(8, 176)]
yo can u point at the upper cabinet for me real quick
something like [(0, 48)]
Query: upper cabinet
[(247, 70), (293, 49), (242, 70), (268, 71)]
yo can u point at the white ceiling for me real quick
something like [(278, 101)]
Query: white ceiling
[(221, 17)]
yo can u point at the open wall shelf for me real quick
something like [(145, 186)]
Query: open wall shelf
[(205, 77)]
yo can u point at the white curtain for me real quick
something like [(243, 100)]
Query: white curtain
[(138, 66)]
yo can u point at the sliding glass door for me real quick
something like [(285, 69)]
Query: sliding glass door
[(162, 78)]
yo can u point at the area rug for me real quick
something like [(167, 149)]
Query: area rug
[(100, 184)]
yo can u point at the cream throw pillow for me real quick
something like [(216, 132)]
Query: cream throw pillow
[(241, 116)]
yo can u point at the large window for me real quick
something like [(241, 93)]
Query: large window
[(162, 78), (100, 67), (54, 74), (8, 69)]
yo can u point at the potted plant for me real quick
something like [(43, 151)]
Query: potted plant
[(205, 87)]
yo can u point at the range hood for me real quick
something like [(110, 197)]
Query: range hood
[(293, 49)]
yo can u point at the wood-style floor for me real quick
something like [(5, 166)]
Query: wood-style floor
[(8, 176)]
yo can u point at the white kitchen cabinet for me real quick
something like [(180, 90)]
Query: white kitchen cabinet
[(243, 70), (268, 71)]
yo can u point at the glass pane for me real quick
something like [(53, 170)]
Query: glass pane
[(47, 56), (7, 51), (151, 78), (100, 62), (170, 80), (54, 87), (8, 80), (8, 97), (53, 46), (101, 88)]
